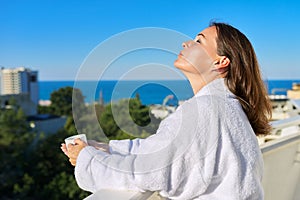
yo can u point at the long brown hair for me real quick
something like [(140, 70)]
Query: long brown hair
[(243, 77)]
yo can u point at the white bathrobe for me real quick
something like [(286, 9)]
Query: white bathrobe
[(205, 150)]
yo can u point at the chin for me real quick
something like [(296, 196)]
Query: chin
[(178, 64), (181, 65)]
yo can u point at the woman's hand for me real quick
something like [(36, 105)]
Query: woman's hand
[(73, 150), (64, 149)]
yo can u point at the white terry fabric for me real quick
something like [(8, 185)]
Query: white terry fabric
[(206, 149)]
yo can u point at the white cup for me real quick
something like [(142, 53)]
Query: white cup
[(70, 140)]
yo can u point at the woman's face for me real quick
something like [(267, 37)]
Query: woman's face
[(198, 55)]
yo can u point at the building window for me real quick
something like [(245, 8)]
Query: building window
[(33, 78)]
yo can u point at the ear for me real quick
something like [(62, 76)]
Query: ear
[(222, 64)]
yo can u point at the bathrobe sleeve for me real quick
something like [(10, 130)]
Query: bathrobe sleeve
[(177, 161)]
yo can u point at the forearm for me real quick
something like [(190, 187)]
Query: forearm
[(99, 145), (96, 170)]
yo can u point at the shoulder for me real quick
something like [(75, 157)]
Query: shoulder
[(204, 104), (197, 113)]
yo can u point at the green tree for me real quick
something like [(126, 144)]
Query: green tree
[(121, 124), (64, 100), (70, 126), (49, 174), (52, 173), (89, 124), (44, 109), (15, 144), (38, 170), (142, 116)]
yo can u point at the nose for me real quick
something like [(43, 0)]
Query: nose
[(186, 44)]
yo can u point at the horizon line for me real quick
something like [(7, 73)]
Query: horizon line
[(268, 79)]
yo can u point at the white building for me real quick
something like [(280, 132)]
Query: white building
[(19, 81)]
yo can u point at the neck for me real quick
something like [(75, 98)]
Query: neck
[(197, 81)]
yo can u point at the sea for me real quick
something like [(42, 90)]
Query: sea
[(150, 92)]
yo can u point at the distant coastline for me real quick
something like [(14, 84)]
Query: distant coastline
[(150, 91)]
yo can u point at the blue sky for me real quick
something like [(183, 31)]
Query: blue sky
[(55, 36)]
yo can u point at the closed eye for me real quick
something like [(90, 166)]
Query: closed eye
[(198, 41)]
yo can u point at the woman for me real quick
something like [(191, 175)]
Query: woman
[(207, 149)]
